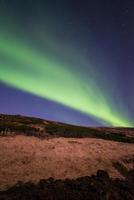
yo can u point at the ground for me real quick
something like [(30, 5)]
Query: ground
[(29, 158)]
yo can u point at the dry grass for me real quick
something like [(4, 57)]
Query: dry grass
[(24, 158)]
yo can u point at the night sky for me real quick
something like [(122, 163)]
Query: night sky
[(69, 61)]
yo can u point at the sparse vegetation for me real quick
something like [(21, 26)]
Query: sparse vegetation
[(36, 127), (81, 132), (64, 157), (120, 168)]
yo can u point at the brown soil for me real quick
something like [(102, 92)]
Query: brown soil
[(24, 158)]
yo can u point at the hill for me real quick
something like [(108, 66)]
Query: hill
[(17, 124), (32, 150)]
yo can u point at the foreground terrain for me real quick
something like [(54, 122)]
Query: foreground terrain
[(99, 187), (33, 149), (24, 158)]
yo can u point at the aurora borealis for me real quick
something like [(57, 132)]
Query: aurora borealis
[(54, 52)]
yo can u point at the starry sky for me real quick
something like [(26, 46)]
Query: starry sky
[(67, 60)]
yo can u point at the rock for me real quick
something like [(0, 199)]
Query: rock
[(99, 187)]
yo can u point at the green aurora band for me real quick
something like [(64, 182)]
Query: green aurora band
[(27, 69)]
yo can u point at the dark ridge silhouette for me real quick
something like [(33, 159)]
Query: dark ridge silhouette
[(30, 126), (96, 187)]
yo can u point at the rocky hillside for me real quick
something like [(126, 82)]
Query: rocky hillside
[(16, 124), (41, 159), (99, 187)]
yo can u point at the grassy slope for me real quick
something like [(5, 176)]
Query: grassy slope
[(10, 124), (25, 158)]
